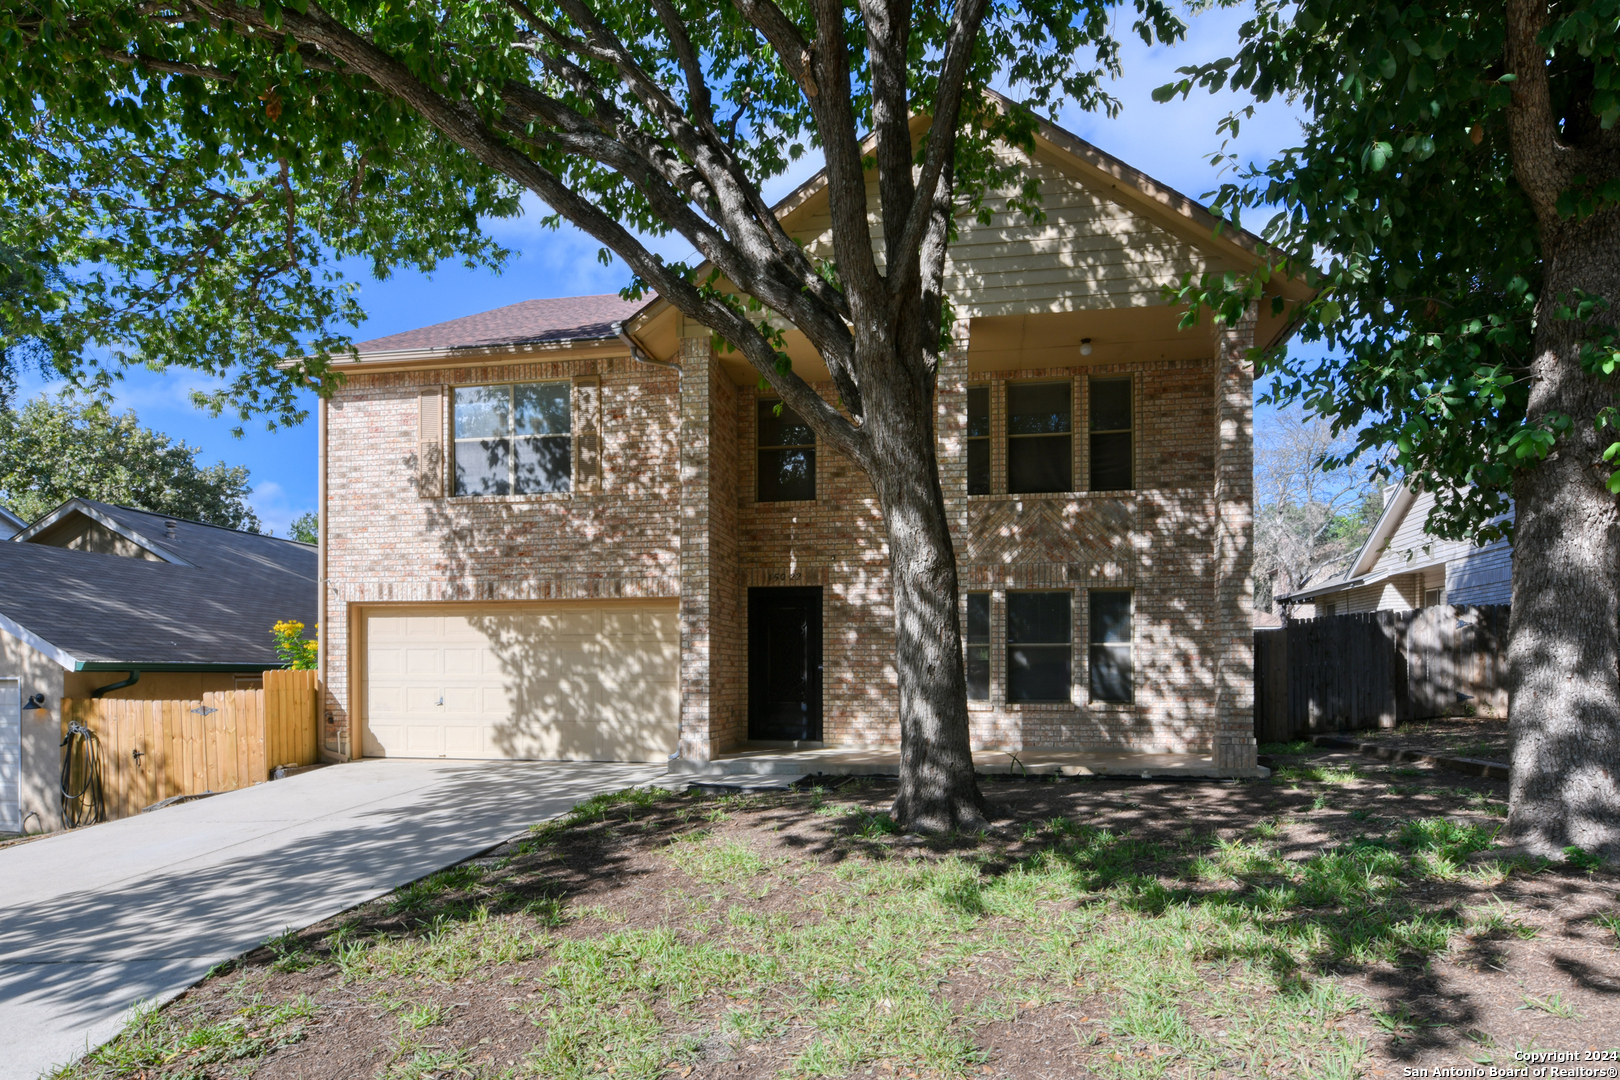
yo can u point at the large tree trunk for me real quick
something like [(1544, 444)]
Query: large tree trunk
[(1564, 633), (938, 789)]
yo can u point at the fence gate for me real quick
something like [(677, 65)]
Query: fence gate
[(152, 750), (1378, 668)]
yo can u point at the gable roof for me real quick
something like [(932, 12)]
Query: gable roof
[(531, 322), (209, 602)]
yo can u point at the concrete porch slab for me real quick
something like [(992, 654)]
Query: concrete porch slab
[(850, 761)]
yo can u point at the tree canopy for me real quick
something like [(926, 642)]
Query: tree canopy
[(55, 450), (1426, 247)]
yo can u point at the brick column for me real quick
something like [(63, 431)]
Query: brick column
[(710, 626), (1232, 629), (950, 431)]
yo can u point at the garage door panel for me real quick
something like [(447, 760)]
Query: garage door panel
[(566, 681)]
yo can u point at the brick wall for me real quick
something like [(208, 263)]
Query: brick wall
[(677, 515), (386, 543)]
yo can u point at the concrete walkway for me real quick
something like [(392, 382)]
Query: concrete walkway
[(137, 910)]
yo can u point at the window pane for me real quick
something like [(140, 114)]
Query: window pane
[(1110, 405), (544, 465), (1110, 673), (978, 613), (481, 411), (785, 430), (787, 475), (978, 477), (978, 411), (1037, 672), (1039, 617), (542, 408), (978, 673), (1110, 617), (482, 467), (1040, 464), (1037, 408), (1111, 462)]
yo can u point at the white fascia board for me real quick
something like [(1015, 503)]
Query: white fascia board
[(1390, 520), (67, 660), (1358, 583), (78, 506)]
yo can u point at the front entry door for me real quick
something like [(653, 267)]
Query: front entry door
[(784, 664)]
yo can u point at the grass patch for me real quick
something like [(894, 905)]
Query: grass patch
[(172, 1041)]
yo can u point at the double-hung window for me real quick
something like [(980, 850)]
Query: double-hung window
[(1111, 435), (1112, 663), (1040, 448), (978, 440), (787, 454), (978, 646), (514, 439), (1039, 649)]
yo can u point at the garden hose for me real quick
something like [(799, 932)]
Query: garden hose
[(81, 758)]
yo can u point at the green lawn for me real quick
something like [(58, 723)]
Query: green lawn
[(1303, 926)]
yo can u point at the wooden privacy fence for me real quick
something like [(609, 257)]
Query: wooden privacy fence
[(1379, 668), (155, 750)]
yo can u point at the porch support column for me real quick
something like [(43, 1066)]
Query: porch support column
[(1232, 625), (711, 632), (950, 432)]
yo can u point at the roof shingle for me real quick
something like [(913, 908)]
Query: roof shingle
[(572, 318)]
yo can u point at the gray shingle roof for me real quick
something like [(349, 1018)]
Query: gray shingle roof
[(114, 609), (532, 322)]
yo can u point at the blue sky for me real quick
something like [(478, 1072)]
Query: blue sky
[(1170, 142)]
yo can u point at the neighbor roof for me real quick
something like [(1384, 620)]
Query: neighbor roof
[(532, 322), (211, 602)]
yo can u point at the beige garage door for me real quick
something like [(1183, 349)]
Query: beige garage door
[(564, 681)]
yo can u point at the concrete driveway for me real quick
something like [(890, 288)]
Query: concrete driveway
[(94, 921)]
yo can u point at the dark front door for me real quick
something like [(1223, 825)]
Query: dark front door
[(784, 664)]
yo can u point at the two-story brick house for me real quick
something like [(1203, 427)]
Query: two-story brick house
[(578, 529)]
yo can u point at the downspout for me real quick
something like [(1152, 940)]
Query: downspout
[(638, 353), (134, 677), (321, 631)]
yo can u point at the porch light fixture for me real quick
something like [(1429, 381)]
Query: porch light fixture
[(1085, 346), (36, 701)]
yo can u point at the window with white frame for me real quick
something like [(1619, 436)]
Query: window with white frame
[(1112, 660), (513, 439), (1039, 646)]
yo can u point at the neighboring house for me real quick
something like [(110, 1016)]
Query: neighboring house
[(1402, 566), (578, 528), (10, 524), (131, 604)]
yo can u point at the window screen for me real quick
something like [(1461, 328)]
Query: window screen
[(1112, 662), (1039, 630), (1111, 435), (978, 646), (1040, 454), (787, 455), (513, 440), (978, 440)]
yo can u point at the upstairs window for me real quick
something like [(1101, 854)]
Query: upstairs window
[(1111, 435), (787, 455), (1040, 451), (978, 646), (978, 440), (1039, 653), (513, 440), (1112, 660)]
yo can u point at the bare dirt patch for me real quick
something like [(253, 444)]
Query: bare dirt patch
[(1481, 737), (1342, 919)]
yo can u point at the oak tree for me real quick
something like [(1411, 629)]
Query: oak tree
[(390, 127), (1458, 183)]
